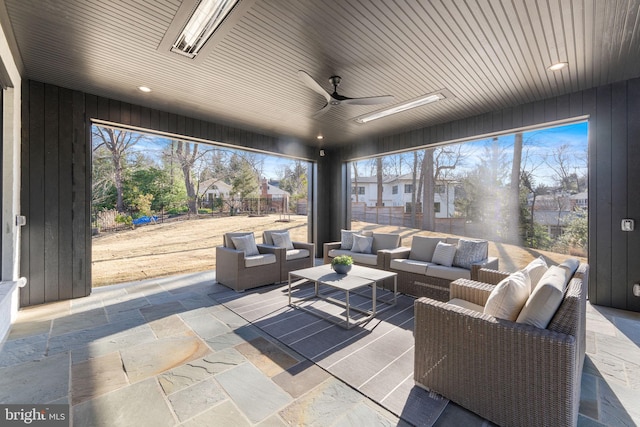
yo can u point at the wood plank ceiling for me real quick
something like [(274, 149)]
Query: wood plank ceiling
[(488, 54)]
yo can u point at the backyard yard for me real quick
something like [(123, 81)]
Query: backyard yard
[(189, 246)]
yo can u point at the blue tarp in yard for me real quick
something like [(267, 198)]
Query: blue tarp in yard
[(145, 220)]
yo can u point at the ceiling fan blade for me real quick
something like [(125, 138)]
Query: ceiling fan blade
[(323, 110), (371, 100), (313, 85)]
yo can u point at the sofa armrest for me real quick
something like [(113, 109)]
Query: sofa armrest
[(486, 275), (519, 372), (308, 246), (232, 259), (470, 290), (490, 263), (327, 247), (279, 252), (396, 253)]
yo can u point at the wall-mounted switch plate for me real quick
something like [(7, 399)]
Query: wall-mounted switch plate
[(627, 224), (636, 290)]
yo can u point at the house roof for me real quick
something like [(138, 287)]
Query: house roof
[(485, 56)]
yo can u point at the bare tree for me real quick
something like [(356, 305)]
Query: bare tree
[(379, 174), (118, 142), (355, 179), (513, 215), (187, 155), (435, 164)]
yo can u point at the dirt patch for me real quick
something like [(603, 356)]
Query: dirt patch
[(189, 246)]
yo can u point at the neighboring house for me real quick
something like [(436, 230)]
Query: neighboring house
[(555, 211), (397, 190), (213, 188)]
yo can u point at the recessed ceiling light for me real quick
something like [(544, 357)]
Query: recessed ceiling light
[(414, 103), (557, 66), (144, 89), (320, 137)]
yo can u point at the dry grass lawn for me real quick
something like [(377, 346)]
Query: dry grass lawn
[(189, 246)]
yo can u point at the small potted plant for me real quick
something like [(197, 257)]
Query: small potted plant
[(342, 264)]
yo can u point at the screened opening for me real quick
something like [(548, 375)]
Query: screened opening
[(161, 205)]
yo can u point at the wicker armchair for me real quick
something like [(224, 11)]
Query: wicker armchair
[(301, 256), (240, 272), (509, 373)]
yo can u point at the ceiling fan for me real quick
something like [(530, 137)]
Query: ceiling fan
[(335, 98)]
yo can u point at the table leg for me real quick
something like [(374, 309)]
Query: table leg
[(347, 303)]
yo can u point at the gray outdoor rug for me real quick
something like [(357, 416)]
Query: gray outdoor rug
[(375, 357)]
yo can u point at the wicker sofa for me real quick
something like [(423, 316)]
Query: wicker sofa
[(376, 258), (510, 373), (420, 276)]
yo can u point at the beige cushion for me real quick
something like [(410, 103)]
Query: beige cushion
[(367, 259), (545, 299), (536, 270), (335, 252), (282, 240), (246, 243), (256, 260), (297, 254), (569, 266), (444, 254), (470, 252), (362, 244), (384, 241), (449, 273), (422, 248), (466, 304), (409, 265), (509, 296)]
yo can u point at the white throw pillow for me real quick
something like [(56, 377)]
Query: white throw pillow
[(362, 244), (536, 270), (545, 299), (509, 296), (444, 254), (246, 244), (346, 239), (282, 240)]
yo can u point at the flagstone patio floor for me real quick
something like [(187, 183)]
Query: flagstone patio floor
[(165, 352)]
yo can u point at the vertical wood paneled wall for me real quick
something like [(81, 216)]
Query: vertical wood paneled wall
[(614, 177), (56, 179)]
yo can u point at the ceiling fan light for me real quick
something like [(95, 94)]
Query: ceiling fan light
[(414, 103), (205, 19)]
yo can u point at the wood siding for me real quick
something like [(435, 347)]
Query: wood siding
[(56, 179), (614, 153)]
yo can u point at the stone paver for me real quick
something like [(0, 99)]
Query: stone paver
[(97, 376), (140, 404), (196, 399), (266, 356), (39, 381), (200, 369), (154, 358), (256, 396), (225, 414), (301, 378)]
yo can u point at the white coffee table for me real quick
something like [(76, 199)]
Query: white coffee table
[(359, 277)]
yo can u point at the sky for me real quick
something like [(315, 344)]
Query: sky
[(538, 148), (538, 144)]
